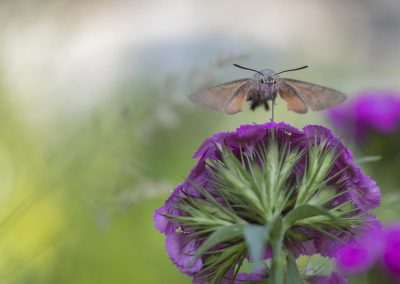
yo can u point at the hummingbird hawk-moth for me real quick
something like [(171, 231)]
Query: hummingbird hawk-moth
[(263, 87)]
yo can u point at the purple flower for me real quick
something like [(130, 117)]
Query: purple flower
[(255, 177), (391, 254), (376, 247), (245, 277), (371, 111), (361, 253)]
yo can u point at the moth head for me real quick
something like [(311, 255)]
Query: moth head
[(270, 80), (265, 77)]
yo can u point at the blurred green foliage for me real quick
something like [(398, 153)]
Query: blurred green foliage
[(69, 213)]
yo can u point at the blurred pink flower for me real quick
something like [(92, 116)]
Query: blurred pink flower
[(368, 111)]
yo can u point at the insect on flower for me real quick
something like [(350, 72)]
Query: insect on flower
[(263, 87)]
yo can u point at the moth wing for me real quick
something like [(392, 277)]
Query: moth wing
[(315, 96), (221, 97), (238, 100), (289, 94)]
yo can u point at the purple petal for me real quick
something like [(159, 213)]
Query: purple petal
[(244, 277), (391, 256), (182, 251), (362, 252), (161, 222)]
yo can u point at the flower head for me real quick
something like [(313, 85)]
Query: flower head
[(377, 247), (361, 253), (391, 254), (368, 112), (267, 191)]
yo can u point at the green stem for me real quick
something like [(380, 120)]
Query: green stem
[(278, 254), (278, 263)]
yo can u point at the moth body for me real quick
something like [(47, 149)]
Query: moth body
[(264, 88)]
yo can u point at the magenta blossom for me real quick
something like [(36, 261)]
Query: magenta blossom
[(367, 112), (298, 191), (361, 253), (391, 254), (377, 247)]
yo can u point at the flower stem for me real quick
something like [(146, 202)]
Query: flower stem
[(278, 253)]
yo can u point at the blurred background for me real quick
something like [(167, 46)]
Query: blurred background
[(96, 127)]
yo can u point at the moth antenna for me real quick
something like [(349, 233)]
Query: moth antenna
[(246, 68), (295, 69)]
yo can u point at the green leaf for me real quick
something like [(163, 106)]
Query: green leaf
[(221, 235), (256, 240), (305, 211), (292, 272), (315, 265)]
